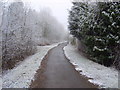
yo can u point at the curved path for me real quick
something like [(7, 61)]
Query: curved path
[(57, 72)]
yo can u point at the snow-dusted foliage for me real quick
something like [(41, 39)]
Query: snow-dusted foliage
[(48, 28), (16, 37), (97, 26), (23, 29), (45, 28), (1, 13)]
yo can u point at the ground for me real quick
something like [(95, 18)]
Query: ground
[(22, 75), (97, 74), (58, 72)]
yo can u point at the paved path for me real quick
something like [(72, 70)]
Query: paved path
[(59, 73)]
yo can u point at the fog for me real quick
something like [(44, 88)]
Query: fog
[(24, 28), (59, 8)]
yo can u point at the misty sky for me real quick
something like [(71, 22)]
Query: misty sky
[(59, 8)]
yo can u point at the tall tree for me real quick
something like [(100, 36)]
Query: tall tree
[(15, 38), (99, 30)]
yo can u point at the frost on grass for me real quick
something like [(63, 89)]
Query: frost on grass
[(21, 76), (0, 82), (97, 74)]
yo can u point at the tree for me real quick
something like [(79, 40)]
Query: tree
[(1, 16), (106, 32), (99, 30), (78, 15), (16, 37), (23, 28)]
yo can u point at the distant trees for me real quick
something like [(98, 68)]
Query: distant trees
[(51, 30), (23, 29), (98, 29)]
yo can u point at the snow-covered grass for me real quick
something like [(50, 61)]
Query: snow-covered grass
[(22, 75), (105, 77), (0, 82)]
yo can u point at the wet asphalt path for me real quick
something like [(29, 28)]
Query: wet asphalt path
[(60, 73)]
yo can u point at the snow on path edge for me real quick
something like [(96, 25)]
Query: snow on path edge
[(98, 74), (22, 75)]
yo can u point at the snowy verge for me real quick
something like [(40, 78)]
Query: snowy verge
[(0, 82), (98, 74), (22, 75)]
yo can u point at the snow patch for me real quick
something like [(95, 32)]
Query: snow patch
[(98, 74), (96, 48), (0, 82), (22, 75)]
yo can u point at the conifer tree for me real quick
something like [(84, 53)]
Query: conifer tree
[(97, 27)]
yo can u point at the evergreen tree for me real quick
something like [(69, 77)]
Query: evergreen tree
[(77, 17), (97, 26), (106, 32)]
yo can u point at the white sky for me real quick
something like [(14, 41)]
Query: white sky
[(59, 8)]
